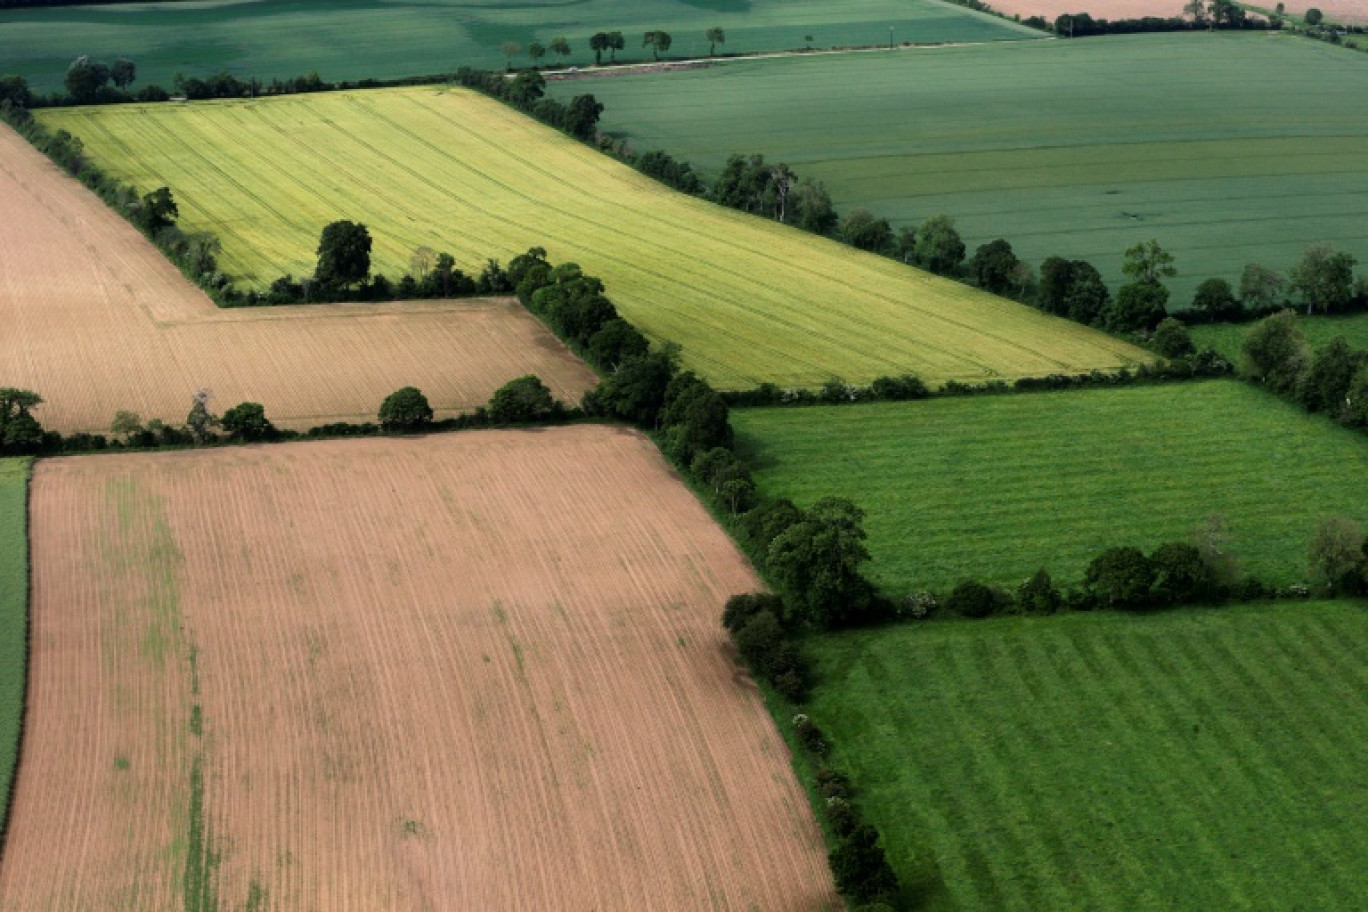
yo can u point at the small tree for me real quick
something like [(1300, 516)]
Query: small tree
[(1181, 575), (1314, 16), (1325, 385), (405, 410), (200, 421), (560, 47), (1171, 339), (659, 42), (598, 43), (1276, 353), (536, 50), (422, 262), (939, 246), (715, 36), (1039, 595), (1261, 287), (521, 400), (992, 265), (343, 255), (1139, 307), (123, 72), (1216, 299), (85, 78), (582, 117), (247, 421), (20, 432), (1121, 577), (510, 50), (1147, 262), (1337, 558), (864, 230), (157, 211), (616, 42), (1325, 278)]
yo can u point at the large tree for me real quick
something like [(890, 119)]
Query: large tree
[(20, 432), (123, 72), (582, 116), (992, 265), (866, 231), (85, 78), (247, 421), (343, 255), (817, 559), (405, 409), (1276, 353), (520, 400), (939, 246), (598, 43)]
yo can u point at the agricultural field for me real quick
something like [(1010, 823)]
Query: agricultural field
[(1228, 338), (1225, 148), (13, 618), (748, 299), (1196, 759), (477, 671), (98, 321), (377, 39), (994, 488)]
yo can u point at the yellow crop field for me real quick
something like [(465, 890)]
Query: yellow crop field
[(748, 299)]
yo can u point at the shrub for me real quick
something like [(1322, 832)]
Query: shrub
[(918, 605), (1121, 578), (758, 638), (1038, 595), (861, 869), (740, 609), (842, 817), (810, 736), (1171, 339), (405, 410), (833, 783), (972, 599), (1181, 573)]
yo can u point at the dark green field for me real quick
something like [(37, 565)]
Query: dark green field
[(994, 488), (1226, 148), (1193, 760), (1228, 338), (356, 39), (13, 615)]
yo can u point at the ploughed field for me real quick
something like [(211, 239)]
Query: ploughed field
[(1228, 338), (994, 488), (1226, 148), (98, 321), (1194, 759), (749, 300), (13, 616), (361, 39), (473, 671)]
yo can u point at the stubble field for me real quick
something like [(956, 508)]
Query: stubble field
[(1226, 148), (749, 300), (474, 671), (994, 488), (358, 39), (1195, 759), (98, 321)]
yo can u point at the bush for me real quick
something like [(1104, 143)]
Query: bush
[(972, 599), (842, 817), (1171, 339), (1038, 595), (861, 869), (740, 609), (833, 783), (918, 605), (1181, 573), (758, 639), (810, 736), (405, 410), (1121, 578)]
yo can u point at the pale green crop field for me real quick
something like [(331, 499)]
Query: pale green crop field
[(994, 488), (748, 299), (1225, 148), (357, 39)]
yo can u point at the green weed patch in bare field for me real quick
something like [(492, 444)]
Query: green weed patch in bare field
[(13, 617), (994, 488)]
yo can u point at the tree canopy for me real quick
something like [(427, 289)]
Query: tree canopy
[(343, 254)]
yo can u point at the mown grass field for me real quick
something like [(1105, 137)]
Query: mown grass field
[(995, 488), (1197, 759), (750, 300), (1228, 338), (13, 617), (356, 39), (1226, 148)]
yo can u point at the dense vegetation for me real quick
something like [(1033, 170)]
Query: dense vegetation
[(1197, 759), (1228, 338), (375, 39), (1031, 142), (13, 620), (995, 488)]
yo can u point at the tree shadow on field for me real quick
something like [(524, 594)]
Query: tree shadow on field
[(755, 452)]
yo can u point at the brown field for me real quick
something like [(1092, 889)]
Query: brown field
[(1346, 11), (476, 671), (96, 320)]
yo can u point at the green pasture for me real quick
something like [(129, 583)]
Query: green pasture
[(994, 488), (1226, 148), (749, 300), (355, 39), (1228, 338), (13, 617), (1195, 759)]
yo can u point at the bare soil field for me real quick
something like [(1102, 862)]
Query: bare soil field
[(1346, 11), (473, 671), (97, 320)]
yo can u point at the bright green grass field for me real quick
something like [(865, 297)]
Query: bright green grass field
[(1226, 148), (13, 615), (749, 300), (1228, 338), (994, 488), (355, 39), (1192, 760)]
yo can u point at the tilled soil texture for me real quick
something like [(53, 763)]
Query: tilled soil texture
[(473, 671), (98, 321)]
